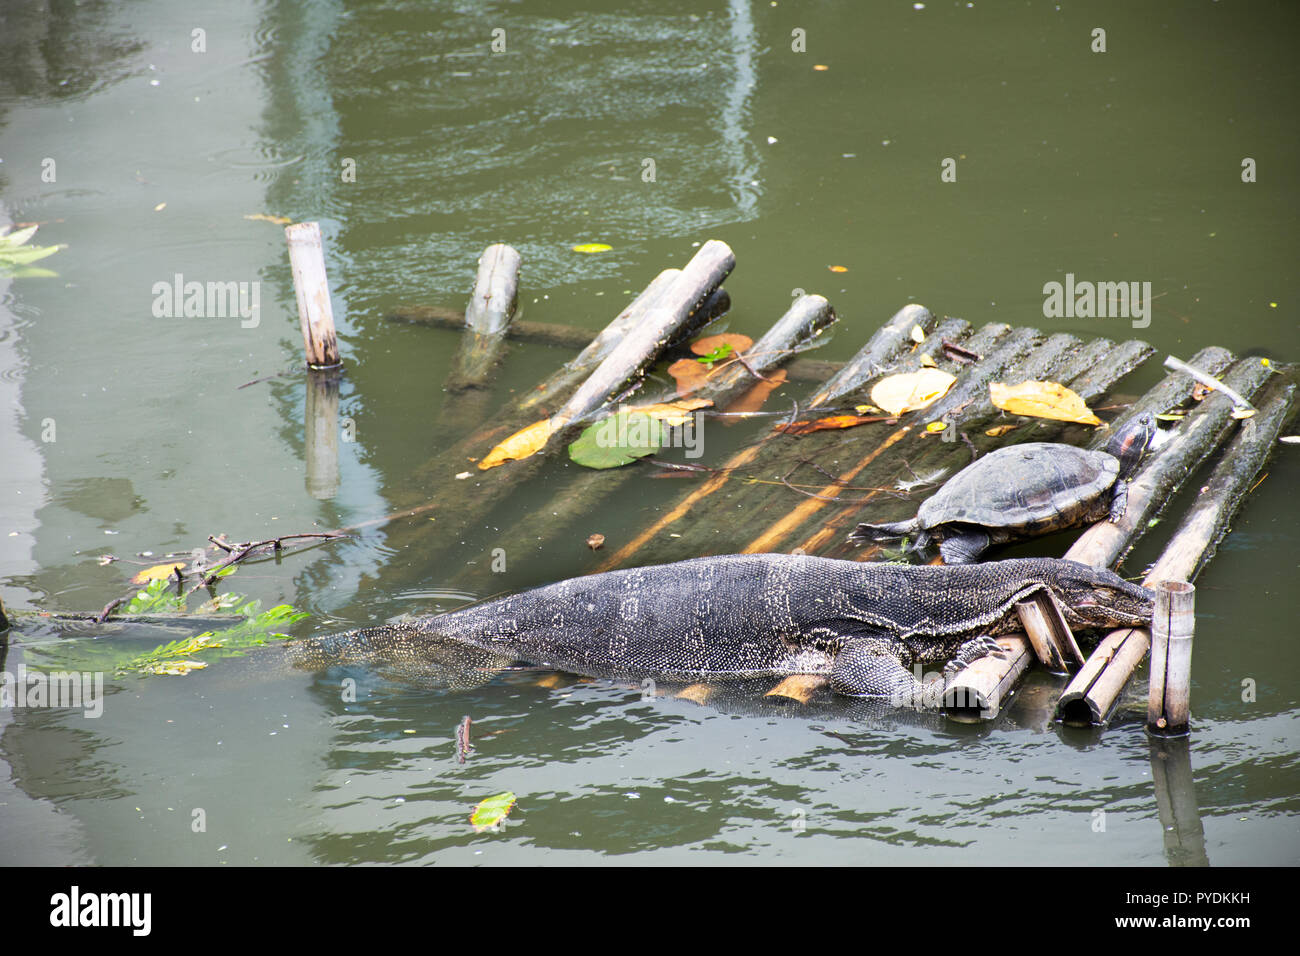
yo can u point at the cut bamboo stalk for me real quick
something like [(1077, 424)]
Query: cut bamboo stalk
[(1049, 633), (321, 422), (1206, 522), (798, 687), (980, 690), (642, 345), (890, 339), (312, 290), (1172, 628), (1092, 693), (1163, 473), (491, 308)]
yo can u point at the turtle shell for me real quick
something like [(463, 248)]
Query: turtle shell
[(1035, 486)]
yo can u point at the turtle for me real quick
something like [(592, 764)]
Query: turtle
[(1021, 491)]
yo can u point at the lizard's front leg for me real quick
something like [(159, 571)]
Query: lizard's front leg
[(874, 667)]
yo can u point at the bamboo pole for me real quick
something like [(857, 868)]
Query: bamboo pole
[(1092, 693), (979, 691), (1172, 628), (806, 318), (312, 290), (1206, 522), (639, 349), (1163, 473), (1048, 632), (890, 339), (489, 313)]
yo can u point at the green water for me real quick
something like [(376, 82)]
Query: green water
[(1117, 166)]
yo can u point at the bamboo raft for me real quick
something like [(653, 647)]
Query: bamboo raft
[(803, 494)]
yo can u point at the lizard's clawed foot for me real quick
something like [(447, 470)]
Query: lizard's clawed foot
[(970, 652)]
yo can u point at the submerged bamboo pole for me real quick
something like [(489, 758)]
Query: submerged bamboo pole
[(1172, 627), (321, 423), (489, 313), (1176, 804), (312, 290)]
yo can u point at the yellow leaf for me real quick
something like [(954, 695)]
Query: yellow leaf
[(1042, 400), (918, 334), (592, 247), (1240, 413), (525, 442), (909, 391), (927, 362), (263, 217), (999, 430), (866, 409), (156, 573), (838, 268), (160, 207), (673, 413), (935, 427)]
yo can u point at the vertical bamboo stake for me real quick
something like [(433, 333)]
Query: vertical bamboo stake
[(1172, 625), (311, 287)]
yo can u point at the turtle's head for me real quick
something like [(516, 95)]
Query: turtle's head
[(1131, 442), (1096, 597)]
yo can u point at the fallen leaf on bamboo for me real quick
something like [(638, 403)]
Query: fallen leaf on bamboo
[(756, 395), (866, 409), (674, 413), (525, 442), (1042, 400), (595, 541), (997, 431), (927, 362), (156, 573), (710, 343), (910, 391), (1290, 439), (936, 426), (829, 424), (492, 811), (592, 247), (918, 334), (617, 440), (1240, 413)]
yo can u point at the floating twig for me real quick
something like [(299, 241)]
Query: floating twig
[(1209, 381)]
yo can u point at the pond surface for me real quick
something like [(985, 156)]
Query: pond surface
[(124, 432)]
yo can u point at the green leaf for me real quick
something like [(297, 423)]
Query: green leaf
[(30, 254), (618, 440), (156, 597), (17, 237), (492, 811), (717, 355)]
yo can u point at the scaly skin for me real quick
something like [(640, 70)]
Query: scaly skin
[(748, 616)]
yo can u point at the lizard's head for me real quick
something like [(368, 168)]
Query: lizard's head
[(1095, 597)]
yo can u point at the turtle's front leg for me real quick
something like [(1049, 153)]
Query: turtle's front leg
[(1119, 503)]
